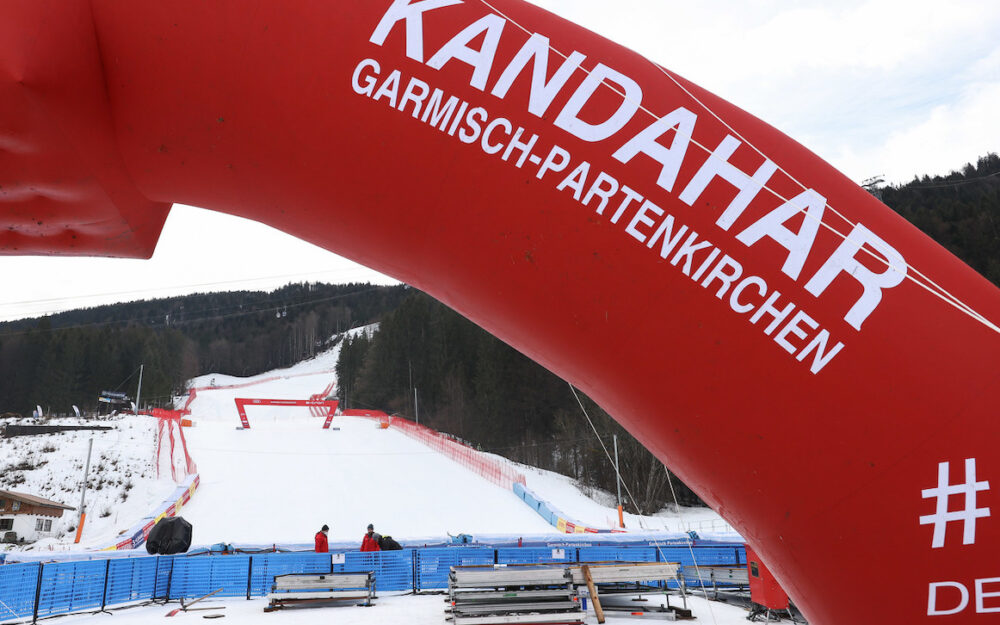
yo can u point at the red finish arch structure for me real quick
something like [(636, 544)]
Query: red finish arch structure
[(330, 406), (819, 371)]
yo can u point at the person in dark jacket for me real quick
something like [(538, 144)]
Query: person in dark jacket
[(387, 543), (371, 540), (322, 546)]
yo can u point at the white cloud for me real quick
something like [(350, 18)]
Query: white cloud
[(948, 137), (900, 87)]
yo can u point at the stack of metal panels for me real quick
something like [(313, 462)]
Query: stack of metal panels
[(718, 577), (495, 595), (299, 588)]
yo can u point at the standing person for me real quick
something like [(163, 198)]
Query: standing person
[(322, 546), (371, 539)]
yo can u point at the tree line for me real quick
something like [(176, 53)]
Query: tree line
[(69, 358), (961, 211)]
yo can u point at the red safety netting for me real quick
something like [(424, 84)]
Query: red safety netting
[(169, 422), (317, 411), (488, 467)]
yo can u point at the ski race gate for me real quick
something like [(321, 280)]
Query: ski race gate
[(329, 404)]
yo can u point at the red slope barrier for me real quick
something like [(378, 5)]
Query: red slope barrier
[(630, 231), (495, 471)]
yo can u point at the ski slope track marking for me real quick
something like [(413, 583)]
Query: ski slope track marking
[(806, 370)]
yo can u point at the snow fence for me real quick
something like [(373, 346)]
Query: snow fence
[(485, 465), (473, 460), (33, 590)]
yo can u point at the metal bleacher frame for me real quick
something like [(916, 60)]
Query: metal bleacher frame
[(542, 593), (310, 588), (718, 577), (501, 593)]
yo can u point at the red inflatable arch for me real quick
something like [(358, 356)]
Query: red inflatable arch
[(816, 369)]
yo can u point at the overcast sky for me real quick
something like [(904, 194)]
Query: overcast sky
[(891, 87)]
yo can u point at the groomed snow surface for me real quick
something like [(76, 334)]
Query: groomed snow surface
[(388, 609), (285, 477), (282, 479)]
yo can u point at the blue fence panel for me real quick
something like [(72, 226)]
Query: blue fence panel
[(617, 554), (530, 500), (741, 554), (265, 566), (682, 555), (82, 585), (433, 564), (164, 573), (131, 579), (200, 575), (546, 513), (71, 586), (703, 556), (17, 590), (535, 555), (707, 556), (393, 569)]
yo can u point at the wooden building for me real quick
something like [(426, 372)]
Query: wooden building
[(27, 518)]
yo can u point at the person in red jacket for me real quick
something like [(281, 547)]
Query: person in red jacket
[(370, 541), (322, 546)]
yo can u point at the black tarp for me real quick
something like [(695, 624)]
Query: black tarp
[(171, 535)]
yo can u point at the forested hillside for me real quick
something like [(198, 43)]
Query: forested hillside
[(67, 359), (474, 386), (961, 211)]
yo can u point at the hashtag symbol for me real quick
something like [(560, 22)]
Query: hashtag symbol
[(942, 516)]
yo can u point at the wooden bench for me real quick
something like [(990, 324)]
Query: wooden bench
[(305, 588)]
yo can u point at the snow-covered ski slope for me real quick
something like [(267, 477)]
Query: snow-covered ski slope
[(282, 479)]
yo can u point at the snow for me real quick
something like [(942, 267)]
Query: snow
[(388, 608), (566, 495), (123, 485), (321, 367), (280, 480), (283, 478)]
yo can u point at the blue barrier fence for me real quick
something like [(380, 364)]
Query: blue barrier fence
[(434, 564), (29, 591)]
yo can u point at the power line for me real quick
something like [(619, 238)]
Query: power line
[(957, 183), (152, 320)]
